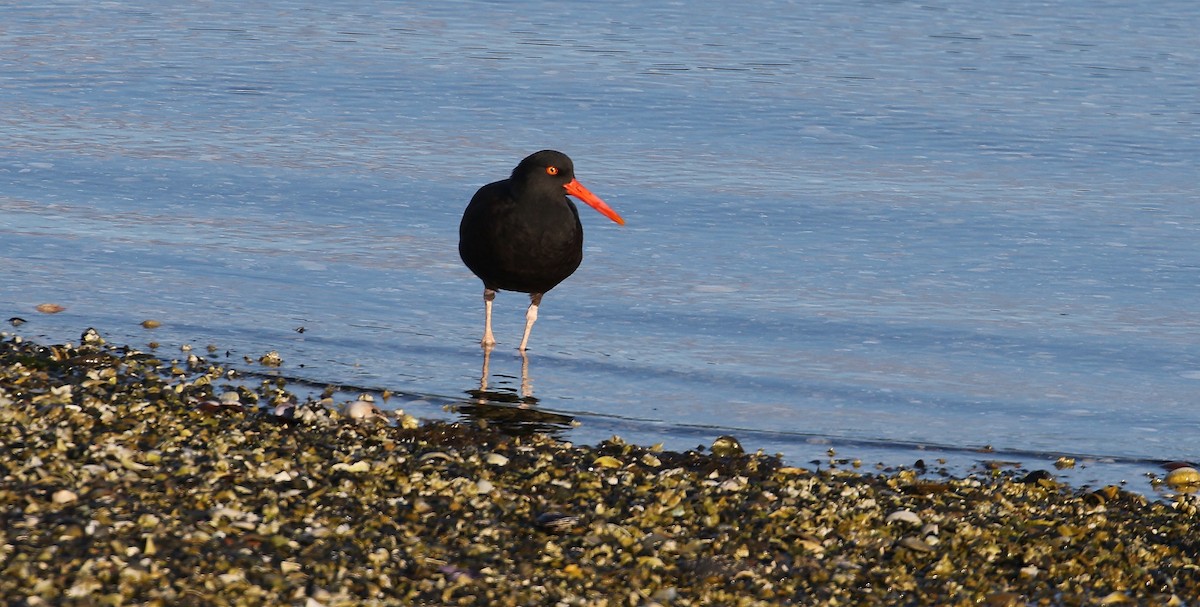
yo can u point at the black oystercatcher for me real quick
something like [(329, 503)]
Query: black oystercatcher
[(523, 234)]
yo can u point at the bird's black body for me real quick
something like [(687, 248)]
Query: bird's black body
[(523, 233)]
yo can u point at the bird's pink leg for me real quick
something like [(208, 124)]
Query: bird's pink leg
[(488, 340), (535, 299)]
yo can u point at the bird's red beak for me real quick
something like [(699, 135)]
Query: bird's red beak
[(577, 190)]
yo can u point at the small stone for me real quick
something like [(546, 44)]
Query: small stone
[(1184, 479), (607, 461), (905, 516), (1037, 477), (556, 522), (405, 421), (665, 595), (725, 446), (64, 496), (359, 466), (1003, 599), (916, 544), (361, 410)]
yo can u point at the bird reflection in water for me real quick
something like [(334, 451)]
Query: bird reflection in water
[(526, 382), (511, 410)]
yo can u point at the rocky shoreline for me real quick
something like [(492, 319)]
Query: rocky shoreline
[(130, 478)]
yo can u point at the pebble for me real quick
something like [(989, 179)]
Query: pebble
[(906, 516), (607, 461), (1184, 479), (725, 446), (916, 544), (361, 410), (64, 496)]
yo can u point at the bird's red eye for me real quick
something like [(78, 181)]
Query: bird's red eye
[(551, 170)]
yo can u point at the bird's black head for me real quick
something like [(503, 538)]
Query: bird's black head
[(549, 175), (546, 166)]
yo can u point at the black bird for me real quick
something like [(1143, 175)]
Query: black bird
[(523, 233)]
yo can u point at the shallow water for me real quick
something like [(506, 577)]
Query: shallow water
[(892, 229)]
